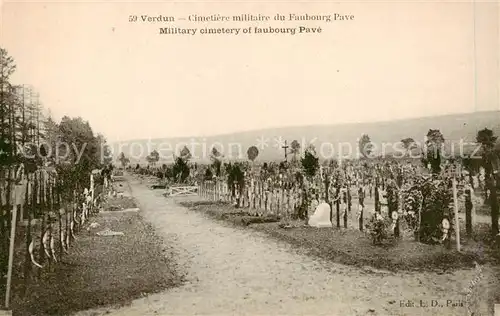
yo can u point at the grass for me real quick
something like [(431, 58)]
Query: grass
[(121, 203), (352, 247), (102, 271)]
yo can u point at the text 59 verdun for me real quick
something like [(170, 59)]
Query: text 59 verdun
[(241, 18)]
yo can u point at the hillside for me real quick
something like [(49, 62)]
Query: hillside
[(328, 139)]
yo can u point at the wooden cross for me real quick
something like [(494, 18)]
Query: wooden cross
[(285, 147)]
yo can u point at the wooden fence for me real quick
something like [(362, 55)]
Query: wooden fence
[(284, 199), (290, 199), (39, 220)]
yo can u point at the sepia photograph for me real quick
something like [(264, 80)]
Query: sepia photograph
[(249, 157)]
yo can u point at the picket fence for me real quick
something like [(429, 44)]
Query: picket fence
[(286, 198)]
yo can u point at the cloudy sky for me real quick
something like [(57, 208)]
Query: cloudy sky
[(394, 60)]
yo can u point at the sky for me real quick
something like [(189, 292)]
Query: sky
[(396, 59)]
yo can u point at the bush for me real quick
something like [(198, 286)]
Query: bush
[(412, 200), (437, 206), (208, 175), (377, 227), (180, 170)]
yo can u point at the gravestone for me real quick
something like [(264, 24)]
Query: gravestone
[(321, 216)]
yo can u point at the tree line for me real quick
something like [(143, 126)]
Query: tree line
[(30, 136)]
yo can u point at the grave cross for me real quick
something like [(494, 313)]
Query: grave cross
[(285, 147)]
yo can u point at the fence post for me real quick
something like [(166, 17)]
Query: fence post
[(92, 187), (42, 211), (346, 207), (455, 208), (11, 255), (28, 201), (214, 195), (17, 199), (338, 198), (361, 199), (468, 211)]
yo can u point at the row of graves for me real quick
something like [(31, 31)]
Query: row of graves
[(40, 219), (394, 197)]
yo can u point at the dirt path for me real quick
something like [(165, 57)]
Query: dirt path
[(237, 271)]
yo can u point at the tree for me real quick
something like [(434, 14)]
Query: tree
[(22, 122), (51, 138), (153, 157), (408, 144), (123, 160), (7, 97), (235, 178), (365, 145), (7, 65), (487, 140), (79, 152), (185, 154), (252, 153), (180, 170), (216, 162), (105, 151), (295, 149), (82, 146), (433, 144), (310, 162), (215, 153)]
